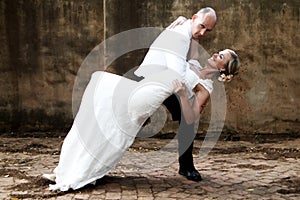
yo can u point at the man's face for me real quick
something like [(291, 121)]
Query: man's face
[(202, 24)]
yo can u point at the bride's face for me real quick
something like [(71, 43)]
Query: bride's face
[(220, 60)]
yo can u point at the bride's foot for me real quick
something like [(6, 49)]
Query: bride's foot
[(50, 177)]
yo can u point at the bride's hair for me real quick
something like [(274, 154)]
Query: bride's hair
[(232, 67)]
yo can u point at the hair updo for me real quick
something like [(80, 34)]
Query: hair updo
[(232, 68)]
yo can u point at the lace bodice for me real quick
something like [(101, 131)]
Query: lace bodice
[(192, 79)]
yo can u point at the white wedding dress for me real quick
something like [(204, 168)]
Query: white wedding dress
[(111, 113)]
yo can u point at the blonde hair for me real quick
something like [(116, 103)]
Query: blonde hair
[(232, 67)]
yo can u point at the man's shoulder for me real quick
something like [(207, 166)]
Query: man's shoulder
[(184, 29)]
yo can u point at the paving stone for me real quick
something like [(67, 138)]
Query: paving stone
[(97, 197), (162, 194), (146, 198), (144, 192), (6, 181), (113, 187), (113, 195), (81, 196), (220, 183), (293, 197), (51, 198), (4, 196), (65, 197), (225, 176), (157, 188), (180, 195), (208, 188), (275, 197), (126, 197), (163, 198), (235, 181), (98, 191)]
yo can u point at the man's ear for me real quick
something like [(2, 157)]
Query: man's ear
[(194, 17)]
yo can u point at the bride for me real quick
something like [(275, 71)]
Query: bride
[(114, 108)]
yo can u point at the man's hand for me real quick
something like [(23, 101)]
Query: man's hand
[(179, 21), (179, 88)]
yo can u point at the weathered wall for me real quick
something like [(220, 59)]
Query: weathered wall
[(43, 44), (45, 41)]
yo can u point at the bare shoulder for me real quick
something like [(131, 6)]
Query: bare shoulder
[(200, 89)]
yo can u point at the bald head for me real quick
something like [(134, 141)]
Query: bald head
[(207, 10), (209, 13), (203, 21)]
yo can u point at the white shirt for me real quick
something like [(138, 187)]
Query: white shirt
[(169, 50)]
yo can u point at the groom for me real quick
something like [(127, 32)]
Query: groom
[(172, 51)]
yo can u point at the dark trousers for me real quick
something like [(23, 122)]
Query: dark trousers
[(186, 134)]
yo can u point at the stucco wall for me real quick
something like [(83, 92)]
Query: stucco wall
[(44, 43)]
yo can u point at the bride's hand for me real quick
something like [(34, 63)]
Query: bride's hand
[(179, 88), (179, 21)]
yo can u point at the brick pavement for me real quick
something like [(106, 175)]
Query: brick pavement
[(233, 170)]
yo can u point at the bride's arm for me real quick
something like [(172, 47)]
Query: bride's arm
[(200, 99), (191, 112)]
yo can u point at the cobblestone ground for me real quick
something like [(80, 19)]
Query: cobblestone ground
[(232, 170)]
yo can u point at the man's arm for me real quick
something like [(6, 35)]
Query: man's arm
[(169, 50)]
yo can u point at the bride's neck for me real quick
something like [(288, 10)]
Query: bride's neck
[(208, 72)]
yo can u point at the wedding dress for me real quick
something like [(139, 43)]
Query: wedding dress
[(111, 113)]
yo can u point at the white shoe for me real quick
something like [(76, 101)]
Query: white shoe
[(50, 177)]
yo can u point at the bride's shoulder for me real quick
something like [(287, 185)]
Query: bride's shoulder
[(200, 88)]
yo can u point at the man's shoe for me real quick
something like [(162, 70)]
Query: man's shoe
[(192, 175)]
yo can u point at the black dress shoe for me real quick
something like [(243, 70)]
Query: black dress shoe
[(192, 175)]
